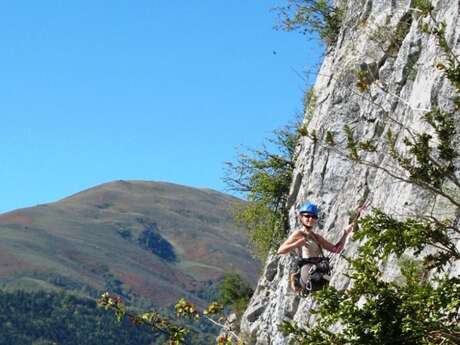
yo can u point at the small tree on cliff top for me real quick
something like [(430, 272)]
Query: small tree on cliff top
[(312, 16)]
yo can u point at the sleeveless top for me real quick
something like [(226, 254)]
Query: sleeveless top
[(311, 249)]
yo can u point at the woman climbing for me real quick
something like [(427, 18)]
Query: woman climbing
[(314, 266)]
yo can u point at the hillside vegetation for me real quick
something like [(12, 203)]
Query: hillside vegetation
[(42, 318), (146, 241)]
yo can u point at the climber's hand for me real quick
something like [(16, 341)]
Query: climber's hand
[(349, 229), (361, 209)]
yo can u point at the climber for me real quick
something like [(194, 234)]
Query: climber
[(314, 267)]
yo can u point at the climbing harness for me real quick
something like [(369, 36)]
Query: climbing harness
[(311, 274)]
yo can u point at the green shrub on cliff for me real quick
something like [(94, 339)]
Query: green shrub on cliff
[(235, 292), (264, 177), (312, 16)]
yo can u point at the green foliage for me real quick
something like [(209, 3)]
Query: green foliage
[(312, 16), (374, 311), (364, 80), (309, 104), (451, 64), (234, 291), (303, 130), (330, 138), (424, 6), (266, 227), (367, 145), (159, 324), (429, 158), (265, 177), (385, 235), (352, 144), (169, 330), (429, 166), (444, 125), (227, 340), (58, 318)]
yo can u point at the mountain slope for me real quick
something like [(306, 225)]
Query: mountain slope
[(153, 240)]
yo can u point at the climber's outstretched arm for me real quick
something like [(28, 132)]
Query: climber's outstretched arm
[(335, 248), (338, 247)]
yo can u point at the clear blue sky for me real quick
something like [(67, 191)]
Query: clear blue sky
[(95, 91)]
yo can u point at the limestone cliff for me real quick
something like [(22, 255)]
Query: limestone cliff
[(383, 38)]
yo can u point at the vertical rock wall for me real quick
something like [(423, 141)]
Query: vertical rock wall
[(384, 38)]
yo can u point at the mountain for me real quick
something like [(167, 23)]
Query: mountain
[(146, 241)]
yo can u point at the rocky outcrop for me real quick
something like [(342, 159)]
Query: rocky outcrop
[(381, 42)]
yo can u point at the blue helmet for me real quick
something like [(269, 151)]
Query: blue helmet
[(309, 208)]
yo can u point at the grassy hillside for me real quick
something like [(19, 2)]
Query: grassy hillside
[(149, 240)]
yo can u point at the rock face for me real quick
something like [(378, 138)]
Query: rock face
[(383, 39)]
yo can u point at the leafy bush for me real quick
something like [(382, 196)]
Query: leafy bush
[(264, 176), (234, 291), (312, 16)]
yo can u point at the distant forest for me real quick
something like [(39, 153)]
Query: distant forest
[(58, 318), (44, 318)]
